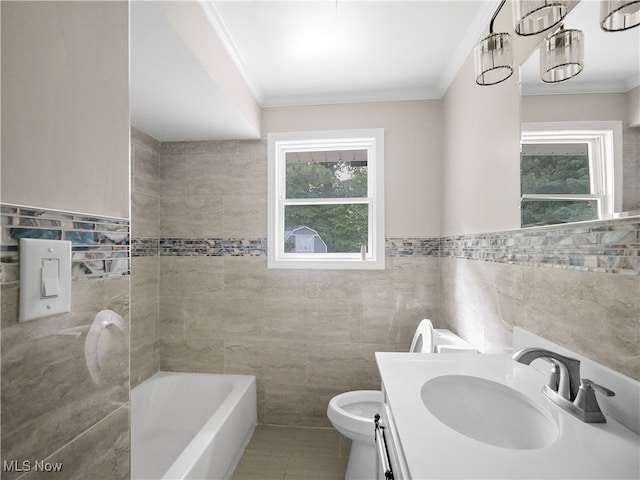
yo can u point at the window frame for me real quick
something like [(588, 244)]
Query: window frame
[(279, 144), (604, 140)]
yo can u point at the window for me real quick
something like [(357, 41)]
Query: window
[(568, 172), (326, 199)]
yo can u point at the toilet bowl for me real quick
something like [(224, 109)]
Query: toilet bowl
[(351, 413)]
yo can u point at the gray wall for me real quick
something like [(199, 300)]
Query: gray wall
[(145, 232), (575, 285), (65, 149), (589, 307), (51, 408), (65, 106), (308, 335)]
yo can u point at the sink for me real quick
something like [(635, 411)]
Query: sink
[(488, 412)]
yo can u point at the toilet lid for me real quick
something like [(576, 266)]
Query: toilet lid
[(423, 338)]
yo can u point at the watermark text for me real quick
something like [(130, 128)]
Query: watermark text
[(31, 466)]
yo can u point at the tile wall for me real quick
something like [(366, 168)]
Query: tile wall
[(308, 335), (631, 170), (577, 285), (59, 404), (145, 233)]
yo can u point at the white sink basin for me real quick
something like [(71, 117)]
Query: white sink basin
[(489, 412)]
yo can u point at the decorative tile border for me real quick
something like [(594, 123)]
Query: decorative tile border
[(99, 245), (144, 247), (606, 246), (394, 247), (213, 247), (412, 247), (611, 246)]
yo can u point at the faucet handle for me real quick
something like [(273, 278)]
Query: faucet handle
[(587, 402), (585, 382)]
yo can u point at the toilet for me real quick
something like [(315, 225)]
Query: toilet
[(351, 413)]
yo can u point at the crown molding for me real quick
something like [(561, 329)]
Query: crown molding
[(217, 22)]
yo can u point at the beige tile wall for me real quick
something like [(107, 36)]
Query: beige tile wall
[(631, 170), (145, 281), (50, 404), (306, 335), (595, 314)]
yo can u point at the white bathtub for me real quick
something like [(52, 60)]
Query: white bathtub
[(191, 425)]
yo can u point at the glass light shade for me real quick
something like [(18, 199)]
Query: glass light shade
[(562, 56), (618, 15), (493, 59), (534, 16)]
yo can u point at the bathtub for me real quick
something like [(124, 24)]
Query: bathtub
[(191, 425)]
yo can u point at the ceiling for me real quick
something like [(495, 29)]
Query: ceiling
[(307, 53), (343, 51)]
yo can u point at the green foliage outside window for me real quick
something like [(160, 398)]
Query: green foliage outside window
[(552, 212), (555, 174), (343, 227)]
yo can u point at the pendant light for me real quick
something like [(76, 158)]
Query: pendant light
[(561, 55), (616, 15), (534, 16), (493, 56)]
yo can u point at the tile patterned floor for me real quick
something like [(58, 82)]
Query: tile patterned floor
[(293, 453)]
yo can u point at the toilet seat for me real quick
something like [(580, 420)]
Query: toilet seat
[(423, 338), (353, 412)]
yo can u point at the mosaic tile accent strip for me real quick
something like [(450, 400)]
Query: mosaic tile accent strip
[(395, 247), (144, 247), (412, 247), (99, 245), (611, 246), (213, 247)]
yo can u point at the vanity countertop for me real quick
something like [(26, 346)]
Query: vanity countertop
[(431, 449)]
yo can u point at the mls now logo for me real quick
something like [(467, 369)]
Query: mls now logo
[(29, 466)]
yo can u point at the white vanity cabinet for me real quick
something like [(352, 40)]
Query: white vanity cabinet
[(426, 395), (390, 462)]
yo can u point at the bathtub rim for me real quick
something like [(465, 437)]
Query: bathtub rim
[(182, 465)]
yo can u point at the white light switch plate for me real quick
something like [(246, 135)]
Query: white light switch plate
[(38, 259)]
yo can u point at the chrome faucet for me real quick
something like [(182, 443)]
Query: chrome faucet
[(565, 369), (565, 388)]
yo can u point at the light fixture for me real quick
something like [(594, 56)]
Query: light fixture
[(534, 16), (561, 55), (618, 15), (493, 56)]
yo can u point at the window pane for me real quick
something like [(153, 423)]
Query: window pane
[(325, 228), (537, 212), (326, 174), (555, 168)]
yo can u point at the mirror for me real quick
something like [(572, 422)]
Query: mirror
[(603, 92)]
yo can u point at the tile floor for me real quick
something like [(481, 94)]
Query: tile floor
[(294, 453)]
